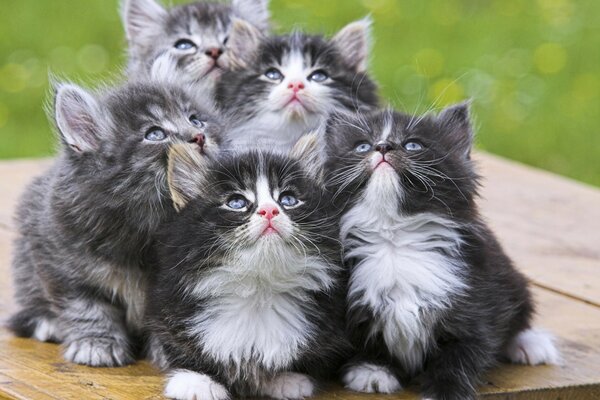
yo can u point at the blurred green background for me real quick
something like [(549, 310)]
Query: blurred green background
[(531, 67)]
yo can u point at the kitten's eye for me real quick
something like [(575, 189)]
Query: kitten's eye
[(363, 147), (413, 146), (318, 76), (185, 44), (288, 200), (274, 74), (196, 121), (155, 134), (237, 202)]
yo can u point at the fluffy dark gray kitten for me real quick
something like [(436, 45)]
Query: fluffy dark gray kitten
[(279, 88), (430, 288), (190, 39), (248, 294), (85, 224)]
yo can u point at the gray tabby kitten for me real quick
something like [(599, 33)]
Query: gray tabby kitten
[(190, 38), (86, 224), (279, 88)]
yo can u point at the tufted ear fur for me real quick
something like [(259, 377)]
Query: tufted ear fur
[(455, 125), (244, 40), (308, 151), (354, 43), (142, 20), (185, 174), (254, 11), (78, 118)]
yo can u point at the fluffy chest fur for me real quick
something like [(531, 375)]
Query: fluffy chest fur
[(407, 271), (256, 309)]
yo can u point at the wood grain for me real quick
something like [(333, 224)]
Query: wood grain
[(549, 225)]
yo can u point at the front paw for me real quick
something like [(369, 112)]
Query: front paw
[(188, 385), (98, 352), (289, 386), (370, 378)]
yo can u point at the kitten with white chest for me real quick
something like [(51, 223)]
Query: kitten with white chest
[(279, 88), (85, 225), (430, 289), (189, 40), (247, 297)]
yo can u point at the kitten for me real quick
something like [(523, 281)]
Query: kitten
[(430, 287), (85, 224), (248, 296), (189, 39), (279, 88)]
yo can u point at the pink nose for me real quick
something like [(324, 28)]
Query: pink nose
[(296, 86), (214, 52), (199, 139), (268, 211)]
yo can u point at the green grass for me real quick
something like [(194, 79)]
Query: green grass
[(531, 67)]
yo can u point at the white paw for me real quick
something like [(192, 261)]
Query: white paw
[(289, 386), (46, 331), (370, 378), (183, 384), (533, 347), (98, 352)]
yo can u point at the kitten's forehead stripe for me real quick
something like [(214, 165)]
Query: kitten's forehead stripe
[(263, 191), (388, 125)]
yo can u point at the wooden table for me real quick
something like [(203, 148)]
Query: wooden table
[(548, 224)]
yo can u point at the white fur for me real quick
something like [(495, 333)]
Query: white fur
[(46, 330), (96, 352), (402, 276), (370, 378), (533, 347), (288, 386), (187, 385)]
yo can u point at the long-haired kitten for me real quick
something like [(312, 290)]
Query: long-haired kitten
[(190, 39), (248, 295), (86, 223), (430, 288), (279, 88)]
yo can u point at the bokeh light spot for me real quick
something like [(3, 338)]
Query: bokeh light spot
[(13, 78), (445, 91), (93, 58), (429, 62), (550, 58)]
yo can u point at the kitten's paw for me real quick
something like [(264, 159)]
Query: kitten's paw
[(533, 347), (371, 378), (98, 352), (183, 384), (46, 330), (289, 386)]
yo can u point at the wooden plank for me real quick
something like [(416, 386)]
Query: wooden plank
[(549, 225)]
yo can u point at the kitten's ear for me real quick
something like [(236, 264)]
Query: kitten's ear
[(254, 11), (244, 40), (78, 118), (455, 125), (354, 42), (142, 20), (185, 173), (308, 151)]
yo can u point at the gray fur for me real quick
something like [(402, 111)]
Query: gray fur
[(85, 225)]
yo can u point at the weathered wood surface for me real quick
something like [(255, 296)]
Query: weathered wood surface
[(549, 225)]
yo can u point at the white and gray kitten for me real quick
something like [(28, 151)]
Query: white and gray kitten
[(279, 88), (188, 39)]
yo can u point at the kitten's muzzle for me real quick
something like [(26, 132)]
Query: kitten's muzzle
[(199, 139), (214, 53)]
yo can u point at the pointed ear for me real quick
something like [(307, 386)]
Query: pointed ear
[(308, 151), (254, 11), (78, 118), (244, 40), (142, 20), (455, 125), (185, 174), (354, 43)]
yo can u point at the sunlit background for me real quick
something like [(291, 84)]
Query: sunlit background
[(531, 67)]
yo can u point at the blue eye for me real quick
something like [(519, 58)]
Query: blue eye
[(155, 135), (237, 202), (274, 74), (184, 44), (363, 147), (196, 121), (318, 76), (288, 200), (413, 146)]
